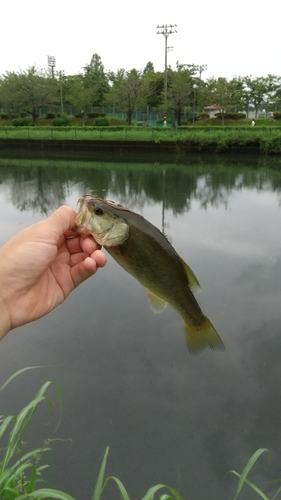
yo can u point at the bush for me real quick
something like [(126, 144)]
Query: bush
[(231, 116), (50, 115), (93, 115), (21, 122), (23, 114), (4, 116), (203, 116), (277, 115), (102, 122), (61, 121)]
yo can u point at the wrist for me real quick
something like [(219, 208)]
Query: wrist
[(5, 326)]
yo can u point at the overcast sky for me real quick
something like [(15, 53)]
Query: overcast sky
[(231, 38)]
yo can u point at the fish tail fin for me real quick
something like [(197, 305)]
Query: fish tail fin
[(200, 336)]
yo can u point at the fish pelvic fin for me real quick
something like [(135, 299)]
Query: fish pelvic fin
[(157, 305), (200, 336)]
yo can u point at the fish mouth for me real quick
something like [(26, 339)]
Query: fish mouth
[(83, 217)]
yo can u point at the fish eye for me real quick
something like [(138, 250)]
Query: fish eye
[(98, 211)]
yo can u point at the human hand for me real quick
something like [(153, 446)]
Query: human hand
[(41, 265)]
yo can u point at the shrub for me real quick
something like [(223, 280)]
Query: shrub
[(102, 122), (203, 116), (50, 115), (4, 116), (93, 115), (61, 121), (23, 114), (231, 116), (21, 122), (277, 115)]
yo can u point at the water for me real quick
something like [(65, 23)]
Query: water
[(126, 377)]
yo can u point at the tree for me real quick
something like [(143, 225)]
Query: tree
[(153, 89), (225, 94), (126, 92), (149, 68), (29, 90), (80, 96), (95, 78), (256, 90), (180, 89)]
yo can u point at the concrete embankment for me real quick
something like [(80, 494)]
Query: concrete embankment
[(124, 148)]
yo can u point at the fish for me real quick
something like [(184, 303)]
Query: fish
[(142, 250)]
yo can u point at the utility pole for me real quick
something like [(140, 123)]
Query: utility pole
[(166, 30)]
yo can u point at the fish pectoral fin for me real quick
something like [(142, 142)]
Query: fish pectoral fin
[(157, 304), (193, 282)]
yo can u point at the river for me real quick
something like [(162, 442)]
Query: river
[(126, 377)]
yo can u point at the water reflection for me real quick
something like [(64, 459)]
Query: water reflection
[(42, 185), (126, 378)]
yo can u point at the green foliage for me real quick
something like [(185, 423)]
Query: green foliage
[(93, 115), (203, 116), (30, 90), (277, 115), (101, 122), (19, 469), (50, 115), (61, 121), (126, 92), (4, 116), (243, 478), (21, 122), (96, 80), (150, 495), (231, 116), (115, 121)]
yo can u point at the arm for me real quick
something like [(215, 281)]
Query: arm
[(41, 265)]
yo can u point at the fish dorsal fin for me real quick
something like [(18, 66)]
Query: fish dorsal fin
[(156, 303), (193, 282)]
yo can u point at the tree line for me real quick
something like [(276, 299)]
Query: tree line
[(188, 94)]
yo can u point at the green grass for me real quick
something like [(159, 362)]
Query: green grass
[(21, 472), (205, 134)]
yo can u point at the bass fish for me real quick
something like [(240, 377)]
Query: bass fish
[(144, 252)]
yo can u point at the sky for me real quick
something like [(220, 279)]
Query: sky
[(233, 39)]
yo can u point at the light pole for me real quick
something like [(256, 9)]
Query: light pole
[(52, 64), (166, 30), (201, 68), (194, 88), (61, 73)]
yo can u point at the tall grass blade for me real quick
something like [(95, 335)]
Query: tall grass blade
[(46, 493), (253, 486), (18, 373), (154, 489), (100, 481), (251, 462), (121, 487)]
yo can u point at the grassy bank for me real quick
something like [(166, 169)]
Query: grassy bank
[(267, 140)]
